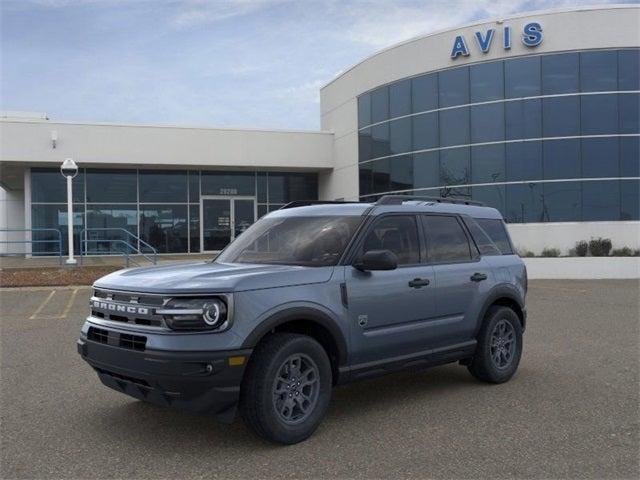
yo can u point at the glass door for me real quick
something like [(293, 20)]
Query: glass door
[(223, 219)]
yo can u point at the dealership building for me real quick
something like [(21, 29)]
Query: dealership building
[(536, 115)]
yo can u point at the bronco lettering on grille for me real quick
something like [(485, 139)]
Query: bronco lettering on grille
[(115, 307)]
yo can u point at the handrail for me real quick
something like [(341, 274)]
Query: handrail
[(32, 241), (124, 253), (139, 241)]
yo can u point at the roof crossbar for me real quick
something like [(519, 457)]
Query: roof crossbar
[(399, 199), (305, 203)]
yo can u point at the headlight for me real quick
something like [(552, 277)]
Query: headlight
[(196, 314)]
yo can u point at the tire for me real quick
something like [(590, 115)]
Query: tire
[(276, 403), (497, 363)]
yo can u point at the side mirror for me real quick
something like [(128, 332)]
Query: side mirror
[(377, 260)]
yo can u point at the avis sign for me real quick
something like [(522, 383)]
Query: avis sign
[(531, 36)]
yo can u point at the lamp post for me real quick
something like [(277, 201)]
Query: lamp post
[(69, 169)]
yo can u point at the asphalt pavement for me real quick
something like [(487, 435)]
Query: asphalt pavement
[(571, 411)]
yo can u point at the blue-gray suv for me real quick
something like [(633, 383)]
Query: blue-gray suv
[(313, 295)]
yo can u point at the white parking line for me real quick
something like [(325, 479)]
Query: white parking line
[(69, 304), (42, 305)]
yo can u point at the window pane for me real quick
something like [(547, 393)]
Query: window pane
[(599, 71), (400, 135), (288, 187), (599, 114), (262, 211), (629, 113), (482, 240), (523, 119), (490, 195), (561, 159), (524, 203), (601, 201), (454, 166), (629, 70), (397, 234), (487, 81), (454, 87), (561, 201), (194, 186), (364, 110), (218, 183), (114, 218), (424, 92), (194, 228), (630, 200), (487, 164), (497, 232), (561, 116), (600, 157), (454, 127), (522, 77), (446, 240), (402, 172), (53, 217), (523, 161), (426, 169), (261, 186), (380, 141), (400, 98), (380, 105), (49, 186), (365, 145), (165, 227), (117, 186), (425, 131), (163, 186), (560, 73), (366, 178), (630, 157), (487, 123), (381, 175)]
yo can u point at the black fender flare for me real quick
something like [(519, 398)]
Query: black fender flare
[(300, 313), (497, 293)]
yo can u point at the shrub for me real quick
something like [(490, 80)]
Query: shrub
[(624, 252), (600, 247), (582, 248), (525, 253), (550, 252)]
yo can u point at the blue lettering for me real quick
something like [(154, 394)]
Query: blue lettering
[(532, 34), (459, 47), (506, 38), (485, 43)]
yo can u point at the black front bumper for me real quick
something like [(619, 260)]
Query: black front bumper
[(202, 382)]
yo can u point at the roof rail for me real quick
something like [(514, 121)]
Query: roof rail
[(399, 199), (306, 203)]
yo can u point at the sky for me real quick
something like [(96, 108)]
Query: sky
[(218, 63)]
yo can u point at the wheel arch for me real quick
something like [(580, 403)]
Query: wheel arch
[(506, 297)]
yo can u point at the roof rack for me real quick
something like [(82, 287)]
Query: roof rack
[(399, 199), (306, 203)]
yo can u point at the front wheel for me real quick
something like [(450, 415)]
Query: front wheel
[(286, 389), (499, 346)]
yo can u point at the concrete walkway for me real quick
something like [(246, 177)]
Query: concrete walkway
[(9, 262)]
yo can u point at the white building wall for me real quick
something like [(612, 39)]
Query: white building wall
[(11, 217)]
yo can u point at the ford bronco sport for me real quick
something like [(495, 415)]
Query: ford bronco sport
[(310, 297)]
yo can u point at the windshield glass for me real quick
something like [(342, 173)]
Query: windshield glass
[(306, 241)]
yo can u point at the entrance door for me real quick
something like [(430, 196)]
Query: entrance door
[(223, 219)]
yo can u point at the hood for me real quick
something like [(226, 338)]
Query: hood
[(206, 277)]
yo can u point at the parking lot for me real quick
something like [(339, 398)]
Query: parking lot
[(571, 411)]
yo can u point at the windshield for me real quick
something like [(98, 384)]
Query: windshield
[(306, 241)]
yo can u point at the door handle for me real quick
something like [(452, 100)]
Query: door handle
[(478, 277), (419, 282)]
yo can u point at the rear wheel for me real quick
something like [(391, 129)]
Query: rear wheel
[(499, 346), (287, 387)]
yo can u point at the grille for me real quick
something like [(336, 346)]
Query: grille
[(128, 308), (98, 335), (133, 342), (122, 340)]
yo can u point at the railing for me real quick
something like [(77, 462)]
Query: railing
[(128, 251), (31, 241)]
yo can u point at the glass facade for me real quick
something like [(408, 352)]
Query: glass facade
[(544, 138), (161, 207)]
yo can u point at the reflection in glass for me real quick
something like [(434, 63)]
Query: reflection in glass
[(366, 178), (490, 195), (163, 186), (487, 123), (49, 186), (165, 227), (629, 113), (629, 69), (487, 81), (524, 203), (561, 116), (523, 161), (364, 110), (600, 201), (454, 166), (629, 157), (424, 92), (380, 140), (194, 186), (400, 135), (365, 145), (523, 119), (487, 164), (400, 98), (228, 183), (599, 71), (630, 200), (426, 169), (401, 173), (112, 186), (453, 87), (454, 127), (561, 201), (54, 216), (381, 175), (380, 104), (425, 131), (216, 224), (600, 157), (194, 228), (599, 114), (561, 158), (560, 73), (114, 218), (287, 187), (522, 77)]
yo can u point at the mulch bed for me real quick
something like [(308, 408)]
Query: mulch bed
[(52, 276)]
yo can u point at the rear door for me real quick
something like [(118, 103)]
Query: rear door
[(462, 277)]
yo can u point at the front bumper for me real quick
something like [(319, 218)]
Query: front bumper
[(202, 382)]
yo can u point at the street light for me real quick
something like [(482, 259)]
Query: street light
[(69, 169)]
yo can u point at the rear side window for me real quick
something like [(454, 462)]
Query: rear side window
[(398, 234), (484, 243), (446, 240), (497, 232)]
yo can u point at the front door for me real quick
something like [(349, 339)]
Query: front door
[(223, 219)]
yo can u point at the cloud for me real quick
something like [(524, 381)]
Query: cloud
[(199, 12)]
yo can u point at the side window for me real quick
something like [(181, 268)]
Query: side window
[(497, 232), (446, 240), (484, 243), (398, 234)]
